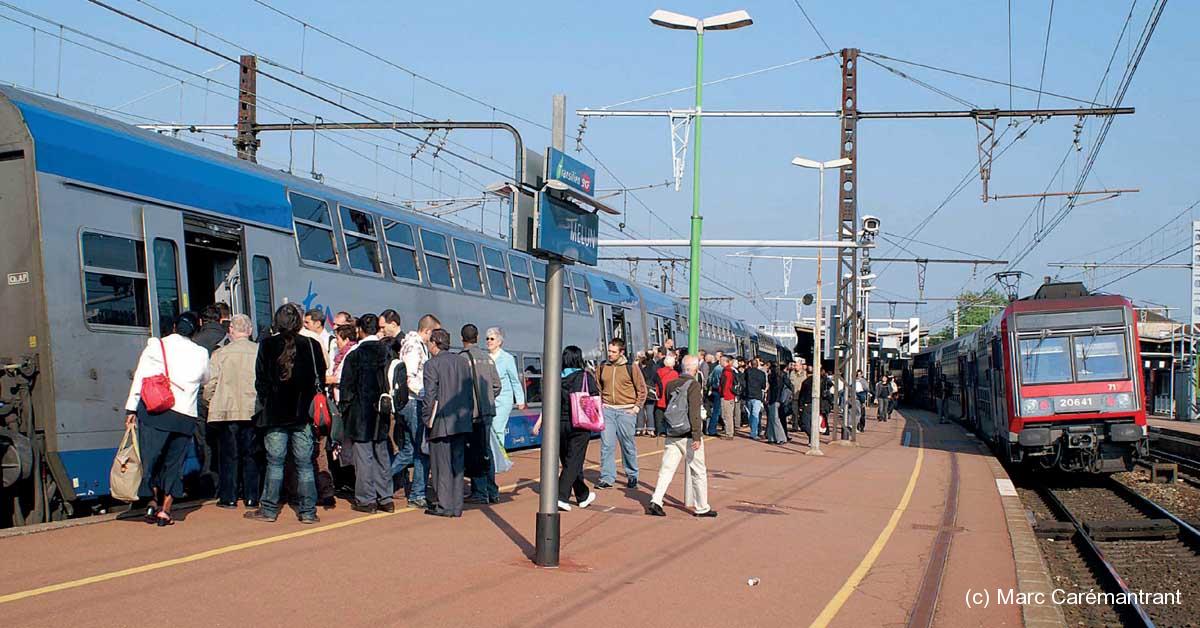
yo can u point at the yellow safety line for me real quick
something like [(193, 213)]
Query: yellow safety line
[(191, 558), (839, 599)]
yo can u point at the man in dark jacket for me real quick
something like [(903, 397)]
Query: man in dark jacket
[(479, 465), (689, 445), (363, 381), (212, 336), (449, 404), (755, 392)]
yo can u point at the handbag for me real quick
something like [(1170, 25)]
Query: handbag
[(318, 408), (501, 463), (586, 409), (125, 478), (156, 389)]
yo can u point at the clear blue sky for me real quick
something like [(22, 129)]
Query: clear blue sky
[(516, 55)]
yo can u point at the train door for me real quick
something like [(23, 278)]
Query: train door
[(262, 280), (614, 325), (214, 260), (166, 270)]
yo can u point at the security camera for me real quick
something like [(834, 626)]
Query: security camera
[(870, 224)]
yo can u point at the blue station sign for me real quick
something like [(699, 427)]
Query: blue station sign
[(565, 230), (562, 167)]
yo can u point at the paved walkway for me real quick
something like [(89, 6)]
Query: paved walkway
[(845, 539), (1191, 427)]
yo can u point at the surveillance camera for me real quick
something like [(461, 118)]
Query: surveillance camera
[(870, 224)]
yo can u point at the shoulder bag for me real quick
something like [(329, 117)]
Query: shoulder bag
[(586, 409), (318, 408), (156, 389)]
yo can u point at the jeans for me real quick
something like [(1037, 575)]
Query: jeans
[(410, 451), (775, 430), (713, 418), (236, 445), (372, 483), (619, 426), (277, 441), (645, 418), (754, 407)]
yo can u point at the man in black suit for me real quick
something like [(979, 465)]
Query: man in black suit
[(447, 412)]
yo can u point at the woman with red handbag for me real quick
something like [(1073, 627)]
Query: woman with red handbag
[(162, 403), (573, 442), (288, 378)]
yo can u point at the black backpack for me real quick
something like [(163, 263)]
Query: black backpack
[(676, 414), (395, 387)]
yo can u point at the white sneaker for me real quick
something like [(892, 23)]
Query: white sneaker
[(564, 506), (587, 500)]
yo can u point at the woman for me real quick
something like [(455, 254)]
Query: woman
[(645, 421), (663, 376), (775, 383), (163, 438), (573, 443), (288, 372)]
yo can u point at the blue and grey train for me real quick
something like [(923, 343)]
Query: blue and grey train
[(110, 231)]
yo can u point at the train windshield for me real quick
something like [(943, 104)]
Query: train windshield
[(1100, 357), (1045, 360)]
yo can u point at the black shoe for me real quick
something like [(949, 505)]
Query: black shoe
[(251, 504), (232, 504), (327, 502), (310, 519), (476, 499), (655, 510), (494, 500), (438, 512), (601, 485), (633, 483), (367, 508), (258, 515), (418, 503), (708, 513), (388, 507)]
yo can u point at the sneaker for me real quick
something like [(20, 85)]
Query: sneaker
[(564, 506), (601, 485), (310, 519), (655, 510), (259, 515), (706, 513), (633, 483), (587, 501), (418, 503)]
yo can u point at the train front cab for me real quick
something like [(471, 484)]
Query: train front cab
[(1078, 404)]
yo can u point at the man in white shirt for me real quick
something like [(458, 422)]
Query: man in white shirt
[(414, 351)]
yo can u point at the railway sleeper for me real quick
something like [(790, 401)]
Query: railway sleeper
[(1114, 529)]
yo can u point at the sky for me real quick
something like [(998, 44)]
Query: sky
[(505, 61)]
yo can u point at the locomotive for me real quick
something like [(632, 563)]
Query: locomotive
[(1051, 382)]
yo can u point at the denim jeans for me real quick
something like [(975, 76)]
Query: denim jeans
[(754, 408), (277, 441), (410, 451), (236, 447), (619, 426), (714, 416)]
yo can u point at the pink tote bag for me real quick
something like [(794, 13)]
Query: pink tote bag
[(586, 410)]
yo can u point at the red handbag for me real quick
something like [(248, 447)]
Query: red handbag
[(156, 389), (318, 408)]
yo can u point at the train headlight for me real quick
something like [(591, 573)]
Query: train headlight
[(1124, 401), (1036, 407)]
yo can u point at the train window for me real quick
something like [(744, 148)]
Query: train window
[(362, 244), (522, 284), (539, 276), (531, 378), (496, 273), (1100, 357), (314, 231), (583, 293), (402, 250), (166, 282), (568, 300), (114, 281), (264, 300), (437, 259), (612, 286), (1045, 360), (468, 266)]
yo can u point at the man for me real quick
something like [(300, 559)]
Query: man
[(623, 391), (389, 324), (714, 394), (314, 327), (882, 392), (211, 334), (805, 399), (728, 392), (446, 413), (230, 397), (797, 377), (512, 390), (689, 446), (486, 386), (415, 352), (662, 378), (860, 397), (755, 393), (739, 373), (943, 393), (363, 381), (339, 319), (705, 365)]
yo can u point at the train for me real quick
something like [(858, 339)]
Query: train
[(1051, 382), (110, 231)]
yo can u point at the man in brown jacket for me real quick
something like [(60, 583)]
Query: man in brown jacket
[(623, 390), (682, 444), (231, 398)]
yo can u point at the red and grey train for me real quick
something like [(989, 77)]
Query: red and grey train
[(1052, 381)]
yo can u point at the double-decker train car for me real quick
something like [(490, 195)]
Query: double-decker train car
[(1052, 381), (110, 231)]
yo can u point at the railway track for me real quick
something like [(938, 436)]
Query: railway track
[(1180, 448), (1121, 543)]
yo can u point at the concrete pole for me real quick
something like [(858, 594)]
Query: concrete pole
[(547, 546), (814, 422)]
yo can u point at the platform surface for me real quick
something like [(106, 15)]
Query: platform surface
[(845, 539), (1191, 427)]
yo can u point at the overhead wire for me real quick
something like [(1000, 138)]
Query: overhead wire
[(1045, 53), (814, 26)]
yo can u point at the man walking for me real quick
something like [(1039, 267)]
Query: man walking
[(797, 377), (684, 445), (623, 391), (446, 413), (860, 397), (415, 352), (486, 387), (882, 392)]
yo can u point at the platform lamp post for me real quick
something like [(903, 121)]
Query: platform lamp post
[(724, 22), (814, 427)]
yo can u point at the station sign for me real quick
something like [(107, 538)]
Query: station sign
[(563, 229), (576, 174)]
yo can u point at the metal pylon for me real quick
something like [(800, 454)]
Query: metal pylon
[(681, 127)]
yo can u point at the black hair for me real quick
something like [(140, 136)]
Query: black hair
[(346, 332), (287, 325), (389, 316), (441, 338), (369, 323), (187, 324), (210, 314), (223, 308), (317, 314), (470, 333), (573, 357)]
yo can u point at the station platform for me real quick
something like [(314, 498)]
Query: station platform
[(900, 530), (1190, 427)]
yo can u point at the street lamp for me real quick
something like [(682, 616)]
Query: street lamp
[(814, 427), (723, 22)]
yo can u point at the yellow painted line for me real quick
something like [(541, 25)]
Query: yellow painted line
[(839, 599), (229, 549)]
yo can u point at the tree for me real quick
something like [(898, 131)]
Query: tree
[(974, 309)]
